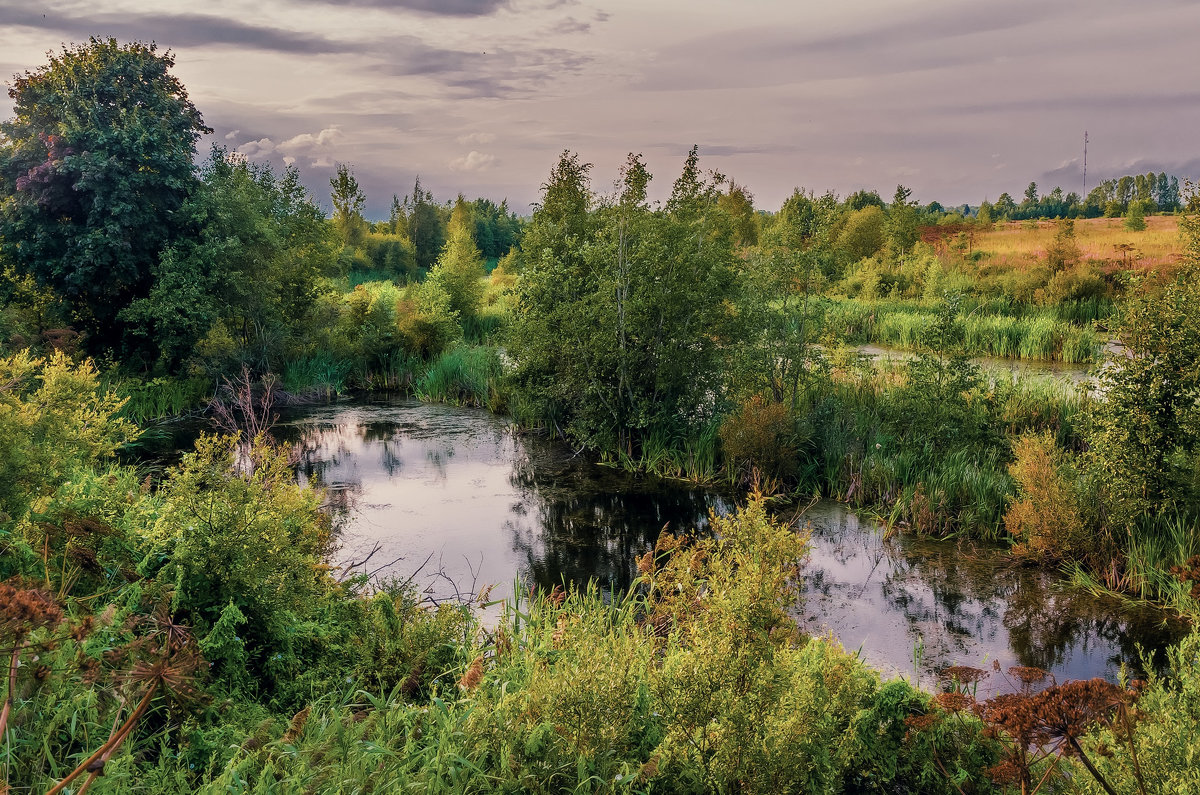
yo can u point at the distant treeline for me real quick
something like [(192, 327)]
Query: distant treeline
[(1112, 198), (408, 244)]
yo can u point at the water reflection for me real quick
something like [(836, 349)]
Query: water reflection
[(591, 522), (914, 607), (483, 504), (457, 488), (1023, 369)]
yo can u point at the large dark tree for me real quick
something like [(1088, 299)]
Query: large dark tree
[(94, 168)]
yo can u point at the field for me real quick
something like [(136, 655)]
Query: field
[(1023, 242)]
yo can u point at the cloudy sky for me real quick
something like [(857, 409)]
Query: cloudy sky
[(958, 99)]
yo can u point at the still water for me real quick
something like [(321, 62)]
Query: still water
[(455, 500)]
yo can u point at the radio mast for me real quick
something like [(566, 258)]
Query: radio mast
[(1085, 142)]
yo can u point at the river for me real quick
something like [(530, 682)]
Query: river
[(454, 499)]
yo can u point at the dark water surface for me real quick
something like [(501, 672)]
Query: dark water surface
[(455, 499)]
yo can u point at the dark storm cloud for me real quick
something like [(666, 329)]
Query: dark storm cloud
[(450, 8), (172, 30)]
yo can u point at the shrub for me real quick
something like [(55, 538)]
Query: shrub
[(54, 420), (427, 322), (1045, 518), (759, 443), (241, 538)]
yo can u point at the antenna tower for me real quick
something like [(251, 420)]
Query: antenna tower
[(1085, 142)]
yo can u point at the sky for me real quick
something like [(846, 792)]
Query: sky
[(959, 100)]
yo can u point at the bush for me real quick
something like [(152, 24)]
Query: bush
[(1045, 519), (243, 544), (428, 324), (759, 443), (54, 421)]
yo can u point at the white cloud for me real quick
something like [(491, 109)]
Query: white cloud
[(289, 161), (260, 148), (229, 136), (306, 142), (473, 161), (317, 148), (477, 138)]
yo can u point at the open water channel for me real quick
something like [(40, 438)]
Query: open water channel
[(453, 498)]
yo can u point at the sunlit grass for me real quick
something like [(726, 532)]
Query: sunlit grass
[(1019, 242)]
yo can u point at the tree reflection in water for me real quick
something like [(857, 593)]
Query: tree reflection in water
[(581, 521), (962, 603), (457, 484)]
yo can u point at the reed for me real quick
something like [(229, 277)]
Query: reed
[(322, 373), (464, 376), (991, 328), (159, 398)]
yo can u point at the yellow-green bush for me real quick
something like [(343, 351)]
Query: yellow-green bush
[(1045, 518)]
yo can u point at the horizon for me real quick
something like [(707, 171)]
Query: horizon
[(958, 103)]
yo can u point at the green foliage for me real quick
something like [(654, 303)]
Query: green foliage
[(1163, 748), (95, 169), (738, 203), (54, 420), (863, 234), (498, 230), (243, 534), (1038, 334), (459, 269), (1135, 219), (902, 231), (620, 305), (392, 256), (428, 322), (1148, 426), (348, 202), (1063, 253), (425, 226), (463, 376), (250, 276), (696, 682)]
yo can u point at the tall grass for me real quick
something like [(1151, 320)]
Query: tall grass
[(689, 455), (484, 327), (1096, 238), (160, 397), (1144, 575), (464, 376), (860, 446), (989, 329), (323, 373)]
